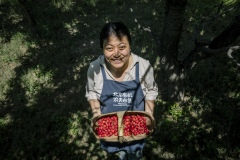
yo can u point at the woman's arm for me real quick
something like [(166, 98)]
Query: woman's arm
[(149, 106), (95, 106), (94, 86)]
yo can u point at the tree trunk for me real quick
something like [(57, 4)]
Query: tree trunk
[(171, 71), (31, 18)]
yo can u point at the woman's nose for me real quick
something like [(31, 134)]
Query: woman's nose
[(116, 52)]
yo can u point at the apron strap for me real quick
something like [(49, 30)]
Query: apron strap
[(137, 72), (103, 72)]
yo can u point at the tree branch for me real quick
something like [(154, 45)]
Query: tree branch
[(205, 52), (208, 19), (219, 45), (228, 36)]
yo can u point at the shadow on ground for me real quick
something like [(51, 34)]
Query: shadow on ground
[(52, 120)]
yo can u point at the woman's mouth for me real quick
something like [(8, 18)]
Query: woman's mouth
[(117, 60)]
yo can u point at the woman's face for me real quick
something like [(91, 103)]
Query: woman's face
[(117, 52)]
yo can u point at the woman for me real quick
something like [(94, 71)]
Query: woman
[(120, 80)]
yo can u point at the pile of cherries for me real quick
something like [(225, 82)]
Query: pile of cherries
[(133, 125)]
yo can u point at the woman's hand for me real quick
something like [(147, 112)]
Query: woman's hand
[(150, 122), (93, 120)]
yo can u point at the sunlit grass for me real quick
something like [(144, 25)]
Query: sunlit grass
[(34, 81), (10, 55)]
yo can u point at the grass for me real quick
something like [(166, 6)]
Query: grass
[(43, 110)]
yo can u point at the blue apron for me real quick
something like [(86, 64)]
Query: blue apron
[(120, 96)]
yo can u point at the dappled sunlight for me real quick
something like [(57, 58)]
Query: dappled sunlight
[(6, 120), (33, 81), (72, 28), (43, 110), (11, 54)]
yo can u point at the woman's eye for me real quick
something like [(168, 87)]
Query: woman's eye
[(122, 47), (109, 48)]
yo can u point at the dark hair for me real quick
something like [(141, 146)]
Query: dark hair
[(114, 28)]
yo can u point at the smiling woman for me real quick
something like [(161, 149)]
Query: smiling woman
[(115, 41), (120, 81)]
